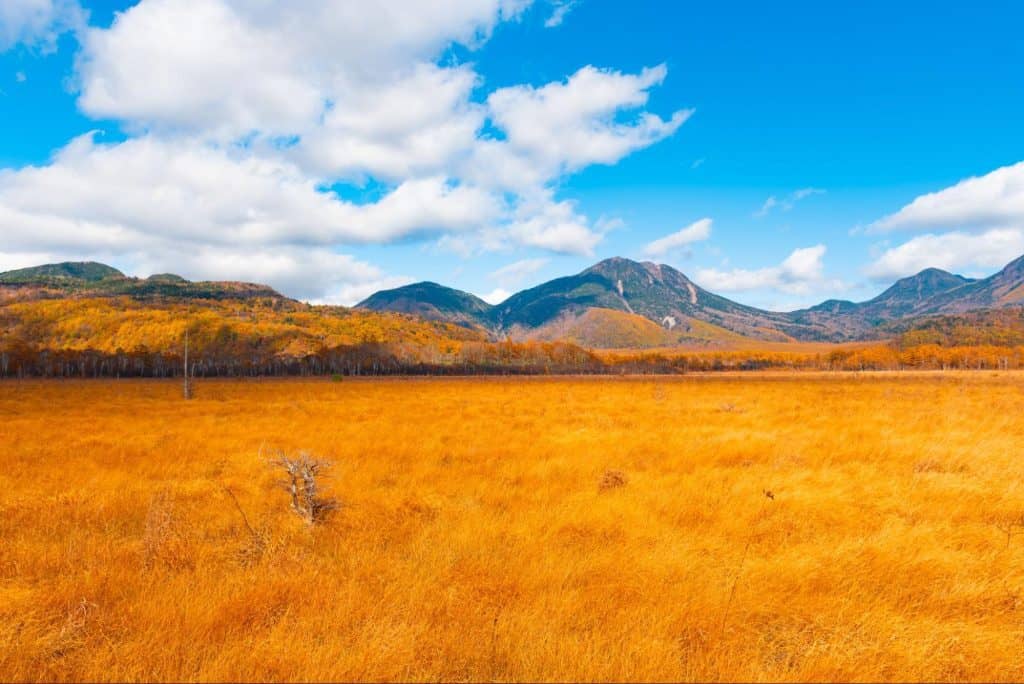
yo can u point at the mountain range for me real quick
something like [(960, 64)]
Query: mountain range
[(616, 303), (666, 307)]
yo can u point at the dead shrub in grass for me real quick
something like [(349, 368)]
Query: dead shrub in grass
[(166, 539), (303, 475), (257, 540), (930, 465), (72, 632), (612, 479), (1010, 524)]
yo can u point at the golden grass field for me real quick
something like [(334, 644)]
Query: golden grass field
[(475, 540)]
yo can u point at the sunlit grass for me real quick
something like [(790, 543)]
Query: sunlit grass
[(520, 529)]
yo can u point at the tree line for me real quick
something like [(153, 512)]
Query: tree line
[(22, 360)]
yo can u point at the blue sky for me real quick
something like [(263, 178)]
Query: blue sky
[(778, 153)]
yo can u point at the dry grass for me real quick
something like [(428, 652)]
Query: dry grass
[(142, 537)]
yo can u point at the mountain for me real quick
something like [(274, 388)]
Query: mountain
[(66, 272), (1005, 288), (655, 291), (91, 279), (687, 312), (910, 295), (906, 297), (614, 303), (432, 302), (929, 293)]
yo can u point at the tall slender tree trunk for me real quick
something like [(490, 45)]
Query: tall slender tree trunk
[(187, 388)]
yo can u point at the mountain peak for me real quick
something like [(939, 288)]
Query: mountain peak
[(614, 265), (432, 301), (615, 268), (921, 286)]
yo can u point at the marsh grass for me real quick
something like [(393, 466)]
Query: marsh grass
[(142, 539)]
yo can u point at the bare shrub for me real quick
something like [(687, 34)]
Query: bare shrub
[(257, 540), (612, 479), (72, 632), (1010, 524), (166, 539), (930, 465), (303, 475)]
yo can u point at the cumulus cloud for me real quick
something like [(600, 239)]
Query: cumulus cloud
[(147, 188), (565, 126), (554, 226), (199, 210), (244, 117), (984, 221), (787, 202), (954, 250), (38, 23), (695, 232), (995, 200), (234, 66), (800, 273), (422, 123)]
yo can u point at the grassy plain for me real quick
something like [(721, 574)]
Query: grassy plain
[(517, 529)]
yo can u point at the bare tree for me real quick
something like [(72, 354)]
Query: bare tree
[(187, 388), (303, 474)]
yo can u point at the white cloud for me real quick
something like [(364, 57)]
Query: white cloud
[(806, 192), (198, 210), (995, 200), (234, 66), (566, 126), (800, 273), (558, 14), (695, 232), (518, 271), (496, 296), (12, 260), (788, 202), (555, 226), (38, 23), (350, 294), (421, 123), (768, 205), (243, 115), (145, 188), (313, 273), (950, 251), (20, 77)]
